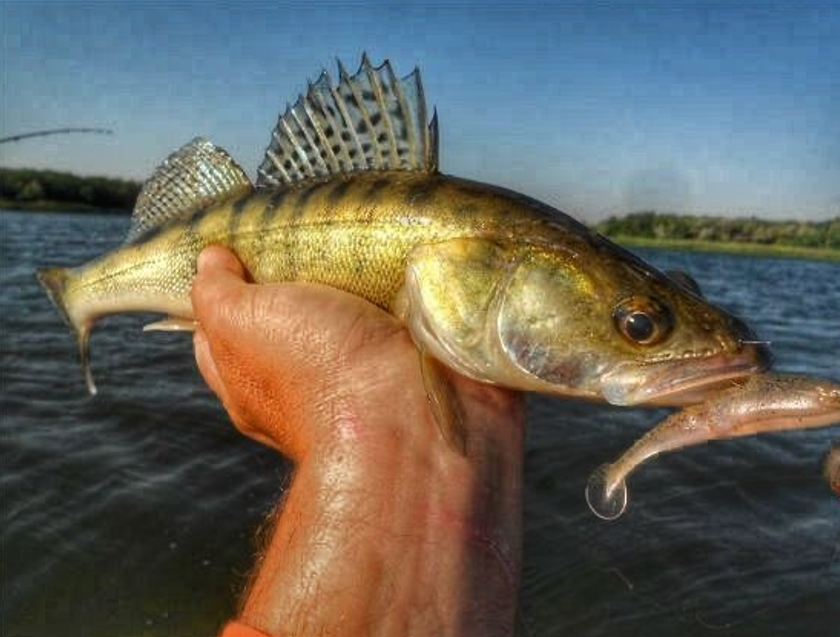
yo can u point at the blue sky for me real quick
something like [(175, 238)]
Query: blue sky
[(594, 107)]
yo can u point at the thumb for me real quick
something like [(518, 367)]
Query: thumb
[(219, 284), (218, 290)]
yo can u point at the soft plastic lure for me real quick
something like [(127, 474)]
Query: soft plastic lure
[(762, 403)]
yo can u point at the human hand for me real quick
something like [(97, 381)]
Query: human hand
[(385, 529)]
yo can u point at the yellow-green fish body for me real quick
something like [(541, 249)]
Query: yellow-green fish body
[(351, 232), (491, 283)]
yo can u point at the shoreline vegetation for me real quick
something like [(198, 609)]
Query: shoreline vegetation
[(748, 236), (730, 247), (52, 191)]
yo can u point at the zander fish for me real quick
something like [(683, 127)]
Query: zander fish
[(491, 283), (762, 403)]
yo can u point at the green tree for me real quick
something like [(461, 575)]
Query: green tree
[(31, 191)]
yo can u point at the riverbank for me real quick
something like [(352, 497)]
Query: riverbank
[(53, 191), (730, 247)]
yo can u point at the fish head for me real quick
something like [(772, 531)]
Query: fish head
[(598, 322)]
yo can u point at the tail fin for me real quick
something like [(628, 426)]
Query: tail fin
[(54, 282)]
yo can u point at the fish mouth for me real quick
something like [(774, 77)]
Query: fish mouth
[(678, 383)]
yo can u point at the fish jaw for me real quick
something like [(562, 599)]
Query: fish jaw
[(682, 382)]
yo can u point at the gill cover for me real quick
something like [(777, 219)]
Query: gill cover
[(450, 289), (498, 313), (539, 315)]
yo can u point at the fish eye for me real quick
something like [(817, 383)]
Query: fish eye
[(643, 320)]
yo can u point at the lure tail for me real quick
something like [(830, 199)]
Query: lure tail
[(54, 281)]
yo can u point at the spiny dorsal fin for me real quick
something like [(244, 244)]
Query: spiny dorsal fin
[(191, 178), (370, 121)]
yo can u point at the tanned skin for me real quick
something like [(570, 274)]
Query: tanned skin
[(385, 529)]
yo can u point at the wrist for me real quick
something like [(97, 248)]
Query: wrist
[(382, 520)]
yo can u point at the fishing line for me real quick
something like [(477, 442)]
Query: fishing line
[(641, 537)]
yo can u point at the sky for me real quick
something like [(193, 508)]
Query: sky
[(597, 108)]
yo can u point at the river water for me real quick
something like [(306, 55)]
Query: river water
[(133, 513)]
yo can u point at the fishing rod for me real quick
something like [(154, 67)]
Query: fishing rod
[(56, 131)]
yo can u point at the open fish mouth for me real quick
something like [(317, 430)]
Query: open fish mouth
[(684, 382)]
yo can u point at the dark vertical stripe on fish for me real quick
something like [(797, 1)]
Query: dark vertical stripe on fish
[(271, 210), (191, 236), (375, 190), (422, 194), (266, 228), (302, 200), (236, 217), (338, 192)]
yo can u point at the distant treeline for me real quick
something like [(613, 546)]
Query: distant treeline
[(27, 189), (654, 225)]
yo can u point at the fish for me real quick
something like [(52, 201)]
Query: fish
[(761, 403), (490, 283)]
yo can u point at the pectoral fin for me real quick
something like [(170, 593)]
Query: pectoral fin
[(172, 324), (444, 402), (449, 289)]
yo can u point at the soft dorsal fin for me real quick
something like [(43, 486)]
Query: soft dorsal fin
[(370, 121), (194, 176)]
